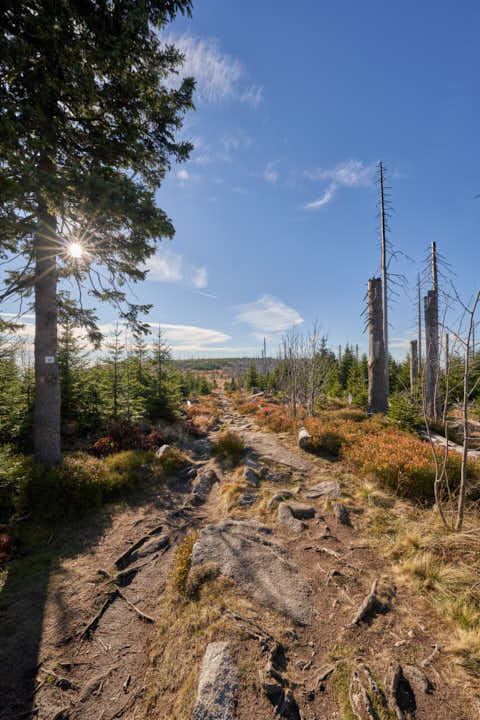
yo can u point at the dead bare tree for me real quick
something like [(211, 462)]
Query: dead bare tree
[(377, 388)]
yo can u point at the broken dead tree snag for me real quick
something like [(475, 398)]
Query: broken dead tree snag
[(377, 379)]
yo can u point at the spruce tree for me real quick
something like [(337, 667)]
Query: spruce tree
[(87, 132)]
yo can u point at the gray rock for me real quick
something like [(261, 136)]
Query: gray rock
[(218, 684), (418, 679), (301, 511), (244, 552), (279, 497), (286, 517), (328, 489), (247, 499), (251, 476), (341, 513), (304, 438), (162, 450), (203, 486), (400, 693)]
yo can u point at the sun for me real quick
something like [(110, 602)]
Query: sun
[(75, 250)]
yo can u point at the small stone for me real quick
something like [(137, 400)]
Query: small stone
[(304, 438), (286, 517), (247, 499), (341, 513), (162, 450), (279, 497), (329, 489), (301, 511), (250, 476)]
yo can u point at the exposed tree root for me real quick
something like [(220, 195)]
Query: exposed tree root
[(371, 604)]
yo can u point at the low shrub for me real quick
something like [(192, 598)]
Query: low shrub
[(104, 446), (229, 446), (152, 440), (63, 492), (404, 410), (402, 462), (14, 469), (171, 461)]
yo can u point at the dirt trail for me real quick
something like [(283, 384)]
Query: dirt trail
[(51, 670)]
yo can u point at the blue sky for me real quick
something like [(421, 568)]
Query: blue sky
[(275, 212)]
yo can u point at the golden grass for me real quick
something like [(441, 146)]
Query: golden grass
[(442, 565)]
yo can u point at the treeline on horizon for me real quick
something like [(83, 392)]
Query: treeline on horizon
[(131, 382)]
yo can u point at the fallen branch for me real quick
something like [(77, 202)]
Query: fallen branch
[(334, 554)]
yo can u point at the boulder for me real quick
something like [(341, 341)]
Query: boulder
[(286, 517), (244, 552), (304, 438), (217, 685), (328, 489)]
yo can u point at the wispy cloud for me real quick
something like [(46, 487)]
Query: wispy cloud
[(199, 277), (218, 76), (268, 314), (253, 95), (270, 174), (168, 266), (353, 173)]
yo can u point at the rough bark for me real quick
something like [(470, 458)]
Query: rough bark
[(46, 433), (413, 365), (432, 359), (377, 388)]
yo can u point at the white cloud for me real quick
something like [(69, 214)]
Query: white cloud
[(252, 95), (199, 277), (352, 173), (167, 266), (268, 314), (183, 174), (218, 76), (270, 174)]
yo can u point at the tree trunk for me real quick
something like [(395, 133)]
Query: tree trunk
[(432, 358), (377, 385), (46, 431), (413, 365)]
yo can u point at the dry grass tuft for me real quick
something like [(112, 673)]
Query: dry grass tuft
[(229, 447), (183, 560), (198, 576)]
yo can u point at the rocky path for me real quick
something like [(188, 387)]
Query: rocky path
[(295, 616)]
